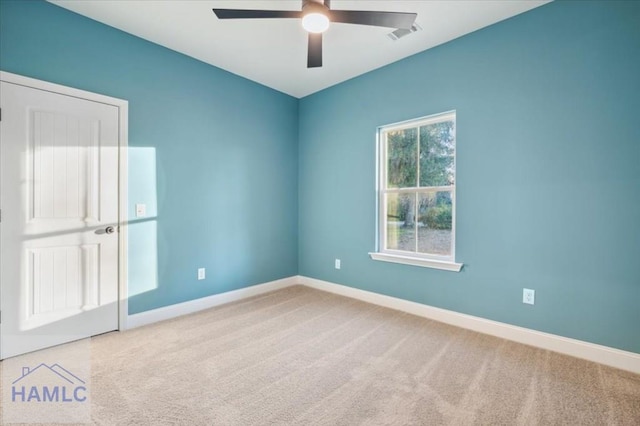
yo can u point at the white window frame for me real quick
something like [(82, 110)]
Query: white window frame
[(399, 256)]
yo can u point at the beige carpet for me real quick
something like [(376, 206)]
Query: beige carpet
[(304, 357)]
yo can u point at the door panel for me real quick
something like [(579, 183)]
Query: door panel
[(61, 282), (59, 177), (65, 164)]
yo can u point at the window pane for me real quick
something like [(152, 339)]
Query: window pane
[(435, 222), (402, 158), (401, 223), (437, 146)]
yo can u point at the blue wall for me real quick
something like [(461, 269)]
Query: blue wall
[(213, 155), (548, 161)]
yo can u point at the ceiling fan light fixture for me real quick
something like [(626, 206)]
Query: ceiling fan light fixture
[(315, 22), (315, 17)]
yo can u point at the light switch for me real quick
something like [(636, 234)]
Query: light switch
[(141, 210)]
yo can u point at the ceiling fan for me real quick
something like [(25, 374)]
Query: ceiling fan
[(316, 17)]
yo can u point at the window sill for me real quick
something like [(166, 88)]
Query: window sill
[(416, 261)]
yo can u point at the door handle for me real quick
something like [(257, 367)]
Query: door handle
[(109, 230)]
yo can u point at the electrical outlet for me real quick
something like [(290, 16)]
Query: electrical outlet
[(528, 296), (201, 274), (337, 263)]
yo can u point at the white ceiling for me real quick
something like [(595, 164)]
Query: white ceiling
[(273, 51)]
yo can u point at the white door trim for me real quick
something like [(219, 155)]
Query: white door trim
[(123, 124)]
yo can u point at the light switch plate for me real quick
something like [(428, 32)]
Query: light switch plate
[(141, 210)]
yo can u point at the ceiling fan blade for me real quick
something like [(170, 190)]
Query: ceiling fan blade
[(314, 52), (400, 20), (256, 14)]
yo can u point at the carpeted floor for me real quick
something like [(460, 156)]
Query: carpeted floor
[(304, 357)]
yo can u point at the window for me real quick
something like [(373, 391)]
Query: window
[(417, 192)]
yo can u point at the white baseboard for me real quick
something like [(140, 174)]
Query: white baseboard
[(191, 306), (617, 358)]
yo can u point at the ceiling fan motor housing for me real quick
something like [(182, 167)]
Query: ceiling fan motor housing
[(320, 2), (313, 6)]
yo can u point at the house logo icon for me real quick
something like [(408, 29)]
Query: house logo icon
[(48, 383)]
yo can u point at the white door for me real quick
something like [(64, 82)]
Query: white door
[(59, 224)]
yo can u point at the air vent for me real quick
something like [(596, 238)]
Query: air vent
[(398, 34)]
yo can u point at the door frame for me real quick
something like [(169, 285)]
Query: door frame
[(123, 143)]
